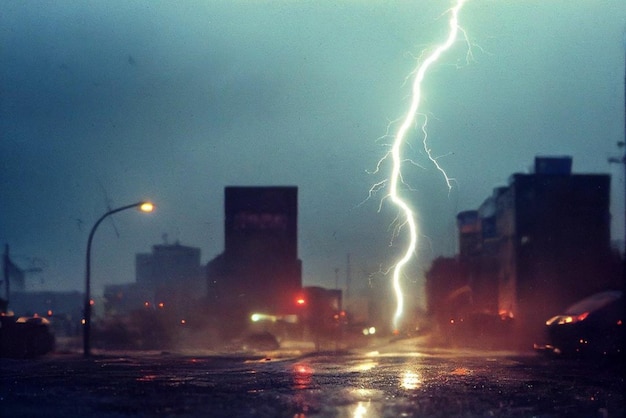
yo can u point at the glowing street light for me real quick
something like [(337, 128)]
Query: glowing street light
[(146, 206), (143, 207)]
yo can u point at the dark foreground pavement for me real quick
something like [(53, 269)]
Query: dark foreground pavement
[(390, 382)]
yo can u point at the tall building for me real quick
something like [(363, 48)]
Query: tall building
[(532, 248), (171, 275), (259, 269), (170, 266), (554, 246), (261, 221), (470, 240)]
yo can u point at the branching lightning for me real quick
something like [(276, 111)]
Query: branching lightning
[(407, 216)]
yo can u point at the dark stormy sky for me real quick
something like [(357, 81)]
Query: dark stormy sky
[(104, 103)]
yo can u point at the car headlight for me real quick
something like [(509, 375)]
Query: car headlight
[(566, 319)]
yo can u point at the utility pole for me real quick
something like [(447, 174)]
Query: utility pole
[(622, 160), (4, 304)]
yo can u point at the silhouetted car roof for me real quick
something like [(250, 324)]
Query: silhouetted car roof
[(594, 302)]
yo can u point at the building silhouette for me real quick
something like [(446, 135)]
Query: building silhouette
[(259, 270), (530, 250), (553, 240), (171, 277), (170, 268)]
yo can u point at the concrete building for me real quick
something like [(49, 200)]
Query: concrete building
[(530, 250), (171, 275), (553, 240), (259, 270), (171, 267)]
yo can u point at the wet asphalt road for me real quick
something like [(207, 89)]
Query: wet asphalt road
[(384, 382)]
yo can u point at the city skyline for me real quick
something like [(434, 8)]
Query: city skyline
[(107, 104)]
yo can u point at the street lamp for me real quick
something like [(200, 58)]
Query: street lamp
[(142, 206)]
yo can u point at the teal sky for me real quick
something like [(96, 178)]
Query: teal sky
[(107, 103)]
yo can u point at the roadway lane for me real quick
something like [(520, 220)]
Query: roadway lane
[(391, 381)]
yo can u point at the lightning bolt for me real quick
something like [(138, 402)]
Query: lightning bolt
[(395, 178)]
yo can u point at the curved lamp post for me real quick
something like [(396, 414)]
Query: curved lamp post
[(142, 206)]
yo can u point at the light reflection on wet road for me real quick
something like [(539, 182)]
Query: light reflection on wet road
[(375, 384)]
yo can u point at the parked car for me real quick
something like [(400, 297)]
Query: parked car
[(591, 327), (260, 341), (25, 337)]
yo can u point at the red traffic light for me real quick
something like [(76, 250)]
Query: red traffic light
[(300, 301)]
